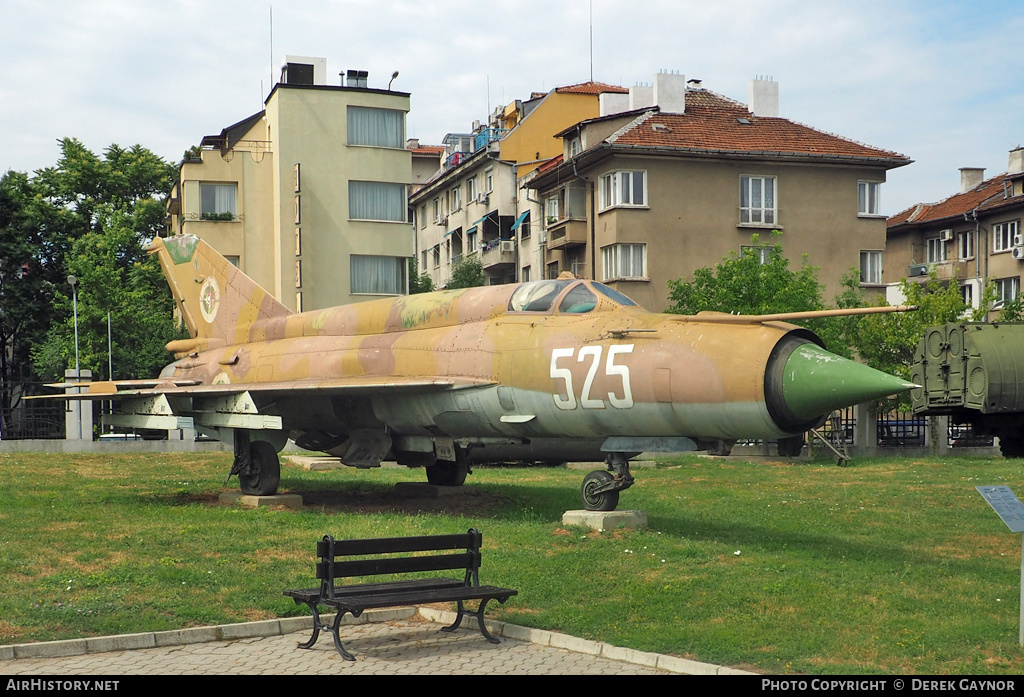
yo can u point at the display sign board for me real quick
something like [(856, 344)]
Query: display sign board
[(1006, 504)]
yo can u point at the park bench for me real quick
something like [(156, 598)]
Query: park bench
[(391, 556)]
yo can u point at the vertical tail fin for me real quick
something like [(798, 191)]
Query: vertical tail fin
[(218, 302)]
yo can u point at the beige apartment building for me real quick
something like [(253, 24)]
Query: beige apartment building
[(473, 207), (309, 197), (683, 176), (971, 238)]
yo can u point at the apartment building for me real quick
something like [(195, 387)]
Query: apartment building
[(970, 239), (473, 207), (679, 176), (309, 196)]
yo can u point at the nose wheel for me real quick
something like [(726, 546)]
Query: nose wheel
[(600, 489)]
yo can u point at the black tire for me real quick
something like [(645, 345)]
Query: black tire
[(720, 447), (448, 473), (790, 447), (266, 470), (1011, 446), (603, 501)]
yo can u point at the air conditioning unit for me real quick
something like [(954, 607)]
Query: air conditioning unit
[(917, 270), (542, 237), (508, 246), (1018, 252), (1018, 240), (483, 198), (945, 235)]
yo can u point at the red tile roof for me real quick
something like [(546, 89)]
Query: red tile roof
[(591, 88), (716, 123), (550, 164), (986, 195), (427, 150)]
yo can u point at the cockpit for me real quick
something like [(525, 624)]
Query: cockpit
[(569, 296)]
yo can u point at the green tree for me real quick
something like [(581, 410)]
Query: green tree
[(418, 282), (25, 293), (115, 276), (65, 213), (758, 281), (468, 273)]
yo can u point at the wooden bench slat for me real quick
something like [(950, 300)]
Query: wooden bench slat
[(414, 584), (436, 595), (395, 565), (390, 545)]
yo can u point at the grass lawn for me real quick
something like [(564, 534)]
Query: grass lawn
[(887, 566)]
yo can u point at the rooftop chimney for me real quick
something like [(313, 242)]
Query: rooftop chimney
[(670, 92), (764, 97), (1016, 160), (356, 78), (970, 177)]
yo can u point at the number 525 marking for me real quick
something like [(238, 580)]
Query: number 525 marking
[(593, 353)]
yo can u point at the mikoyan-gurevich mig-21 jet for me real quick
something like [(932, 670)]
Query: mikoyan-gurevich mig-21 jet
[(551, 370)]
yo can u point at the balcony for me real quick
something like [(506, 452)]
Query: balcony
[(495, 253), (566, 232), (488, 135), (950, 270)]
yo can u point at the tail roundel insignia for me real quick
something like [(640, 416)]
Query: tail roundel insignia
[(218, 303)]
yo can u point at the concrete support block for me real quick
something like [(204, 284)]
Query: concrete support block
[(237, 497), (605, 520)]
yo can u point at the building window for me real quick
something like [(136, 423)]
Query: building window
[(575, 146), (1003, 235), (470, 189), (217, 201), (471, 241), (867, 194), (376, 201), (382, 128), (378, 275), (627, 188), (553, 208), (488, 180), (965, 245), (967, 294), (456, 195), (524, 275), (624, 261), (437, 255), (871, 267), (763, 254), (1006, 289), (758, 201), (935, 251)]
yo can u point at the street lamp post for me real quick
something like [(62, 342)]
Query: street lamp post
[(73, 282)]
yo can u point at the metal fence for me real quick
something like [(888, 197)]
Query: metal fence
[(30, 418)]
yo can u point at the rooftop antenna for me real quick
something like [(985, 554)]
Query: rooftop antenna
[(591, 40), (271, 46)]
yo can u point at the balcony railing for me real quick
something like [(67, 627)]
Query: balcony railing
[(488, 135)]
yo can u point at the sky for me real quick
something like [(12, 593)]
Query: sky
[(936, 80)]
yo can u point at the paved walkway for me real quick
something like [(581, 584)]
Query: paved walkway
[(385, 643)]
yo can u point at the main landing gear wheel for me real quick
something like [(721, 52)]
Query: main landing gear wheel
[(790, 447), (448, 473), (594, 499), (264, 473)]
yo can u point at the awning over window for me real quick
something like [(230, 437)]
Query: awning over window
[(471, 230), (520, 220)]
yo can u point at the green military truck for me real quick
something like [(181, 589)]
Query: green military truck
[(974, 373)]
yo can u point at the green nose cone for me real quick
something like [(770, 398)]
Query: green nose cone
[(815, 382)]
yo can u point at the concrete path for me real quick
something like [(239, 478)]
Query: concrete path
[(391, 642)]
